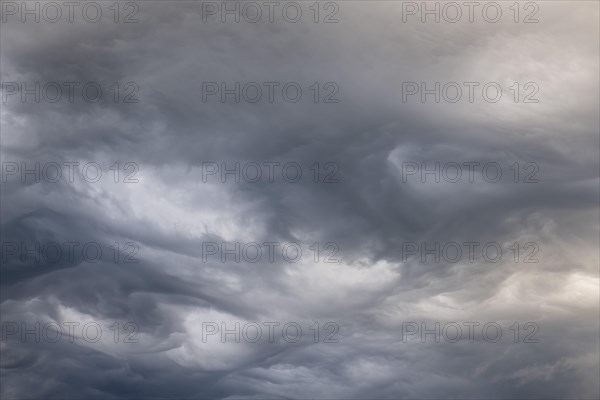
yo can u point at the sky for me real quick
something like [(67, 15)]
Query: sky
[(300, 200)]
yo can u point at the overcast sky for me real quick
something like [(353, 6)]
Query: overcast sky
[(367, 211)]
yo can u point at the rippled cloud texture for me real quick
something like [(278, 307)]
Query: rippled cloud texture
[(367, 203)]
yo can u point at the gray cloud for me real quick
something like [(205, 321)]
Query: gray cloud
[(370, 214)]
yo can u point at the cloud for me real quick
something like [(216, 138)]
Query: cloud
[(157, 203)]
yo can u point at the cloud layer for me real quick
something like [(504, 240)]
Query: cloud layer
[(367, 199)]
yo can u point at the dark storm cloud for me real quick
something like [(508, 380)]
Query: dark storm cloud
[(370, 135)]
